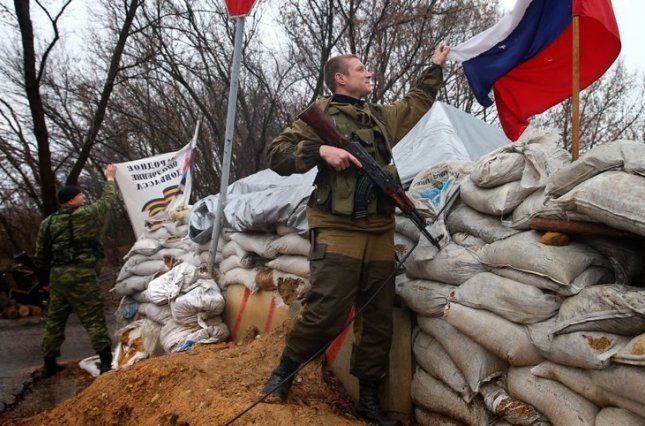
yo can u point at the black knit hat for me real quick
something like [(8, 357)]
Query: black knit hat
[(68, 192)]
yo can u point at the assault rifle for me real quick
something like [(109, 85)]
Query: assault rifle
[(373, 174)]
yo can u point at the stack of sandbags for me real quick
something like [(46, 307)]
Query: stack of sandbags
[(169, 302), (266, 261), (511, 305)]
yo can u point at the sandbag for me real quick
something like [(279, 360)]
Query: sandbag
[(512, 410), (632, 353), (557, 402), (497, 168), (424, 417), (463, 218), (613, 198), (175, 337), (591, 276), (517, 302), (520, 217), (427, 298), (297, 265), (292, 244), (618, 155), (477, 364), (198, 304), (525, 252), (582, 349), (612, 308), (434, 396), (507, 340), (132, 284), (611, 416), (453, 264), (256, 242), (434, 360), (158, 313), (615, 386), (496, 201)]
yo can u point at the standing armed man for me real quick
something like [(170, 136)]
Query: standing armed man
[(68, 245), (350, 256)]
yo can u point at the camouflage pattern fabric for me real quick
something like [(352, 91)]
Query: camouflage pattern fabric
[(73, 286)]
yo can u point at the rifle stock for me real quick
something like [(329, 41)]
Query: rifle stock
[(322, 125)]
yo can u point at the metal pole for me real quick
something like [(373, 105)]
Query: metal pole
[(228, 139)]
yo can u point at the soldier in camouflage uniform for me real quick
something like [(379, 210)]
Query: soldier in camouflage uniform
[(68, 245), (351, 255)]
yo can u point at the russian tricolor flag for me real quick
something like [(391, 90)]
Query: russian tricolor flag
[(526, 58)]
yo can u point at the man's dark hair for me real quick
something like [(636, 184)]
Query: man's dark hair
[(337, 64)]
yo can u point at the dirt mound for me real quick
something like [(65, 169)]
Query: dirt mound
[(207, 385)]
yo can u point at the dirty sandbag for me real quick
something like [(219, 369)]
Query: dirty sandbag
[(632, 353), (466, 219), (496, 201), (453, 264), (424, 297), (612, 416)]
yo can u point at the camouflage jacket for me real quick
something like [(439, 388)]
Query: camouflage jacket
[(71, 237)]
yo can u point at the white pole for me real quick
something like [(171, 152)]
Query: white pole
[(228, 139)]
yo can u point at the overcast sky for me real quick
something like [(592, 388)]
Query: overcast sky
[(629, 16)]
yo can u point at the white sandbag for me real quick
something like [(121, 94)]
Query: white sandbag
[(522, 214), (297, 265), (232, 248), (502, 406), (517, 302), (525, 252), (611, 416), (615, 386), (496, 201), (477, 364), (291, 243), (132, 284), (402, 244), (435, 396), (424, 417), (632, 353), (177, 337), (453, 264), (234, 261), (256, 242), (136, 341), (582, 349), (144, 246), (427, 298), (497, 168), (590, 276), (618, 155), (613, 198), (158, 313), (433, 187), (198, 304), (507, 340), (468, 241), (148, 268), (434, 360), (559, 404), (612, 308), (466, 219), (246, 277), (163, 289), (406, 227)]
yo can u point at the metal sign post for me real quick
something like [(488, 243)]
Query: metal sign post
[(237, 9)]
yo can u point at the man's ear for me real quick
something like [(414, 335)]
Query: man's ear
[(340, 79)]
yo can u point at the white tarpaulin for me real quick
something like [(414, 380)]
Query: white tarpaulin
[(155, 184), (259, 201)]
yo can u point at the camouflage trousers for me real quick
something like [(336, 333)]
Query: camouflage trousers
[(74, 289), (347, 269)]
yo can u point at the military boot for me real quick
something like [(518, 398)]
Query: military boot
[(368, 404), (50, 367), (106, 359), (283, 373)]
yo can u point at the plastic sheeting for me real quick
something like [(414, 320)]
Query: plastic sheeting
[(264, 199)]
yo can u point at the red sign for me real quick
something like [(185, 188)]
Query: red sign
[(239, 7)]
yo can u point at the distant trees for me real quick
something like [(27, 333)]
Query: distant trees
[(147, 71)]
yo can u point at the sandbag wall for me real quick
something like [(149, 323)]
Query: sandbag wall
[(516, 329), (169, 302)]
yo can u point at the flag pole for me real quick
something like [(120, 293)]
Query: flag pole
[(575, 97)]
